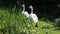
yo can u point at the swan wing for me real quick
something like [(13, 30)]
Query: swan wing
[(33, 17), (25, 13)]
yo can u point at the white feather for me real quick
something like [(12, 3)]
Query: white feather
[(33, 16)]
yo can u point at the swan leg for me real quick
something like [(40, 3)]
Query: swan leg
[(36, 25)]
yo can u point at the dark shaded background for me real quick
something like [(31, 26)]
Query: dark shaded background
[(47, 9)]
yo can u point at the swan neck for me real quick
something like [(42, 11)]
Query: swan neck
[(32, 10), (23, 8)]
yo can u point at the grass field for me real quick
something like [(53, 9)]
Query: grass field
[(16, 23)]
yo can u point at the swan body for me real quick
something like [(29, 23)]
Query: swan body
[(33, 17), (25, 13)]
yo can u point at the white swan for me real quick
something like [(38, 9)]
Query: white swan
[(25, 13), (33, 16)]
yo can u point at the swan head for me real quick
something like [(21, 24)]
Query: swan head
[(23, 5), (30, 7)]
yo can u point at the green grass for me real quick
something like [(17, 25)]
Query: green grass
[(16, 23)]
